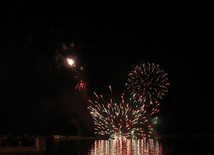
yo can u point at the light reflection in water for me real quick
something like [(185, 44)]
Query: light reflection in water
[(127, 147)]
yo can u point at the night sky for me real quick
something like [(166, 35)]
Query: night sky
[(37, 92)]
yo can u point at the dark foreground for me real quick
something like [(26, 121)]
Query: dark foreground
[(164, 146)]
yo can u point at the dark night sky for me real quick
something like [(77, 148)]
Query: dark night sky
[(35, 93)]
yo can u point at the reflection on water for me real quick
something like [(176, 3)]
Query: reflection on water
[(126, 147), (168, 146)]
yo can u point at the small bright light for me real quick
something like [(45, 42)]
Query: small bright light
[(70, 61)]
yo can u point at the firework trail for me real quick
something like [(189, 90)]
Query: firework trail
[(118, 119), (147, 84)]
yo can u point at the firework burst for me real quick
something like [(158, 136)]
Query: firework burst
[(118, 119), (147, 84)]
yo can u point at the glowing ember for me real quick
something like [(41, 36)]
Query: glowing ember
[(70, 62)]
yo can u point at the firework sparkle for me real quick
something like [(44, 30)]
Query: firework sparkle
[(70, 62), (118, 119), (147, 84)]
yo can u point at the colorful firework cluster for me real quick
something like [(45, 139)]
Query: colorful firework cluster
[(116, 119), (146, 85)]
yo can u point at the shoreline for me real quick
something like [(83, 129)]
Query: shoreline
[(61, 138)]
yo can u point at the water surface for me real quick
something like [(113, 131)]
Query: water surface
[(145, 146)]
